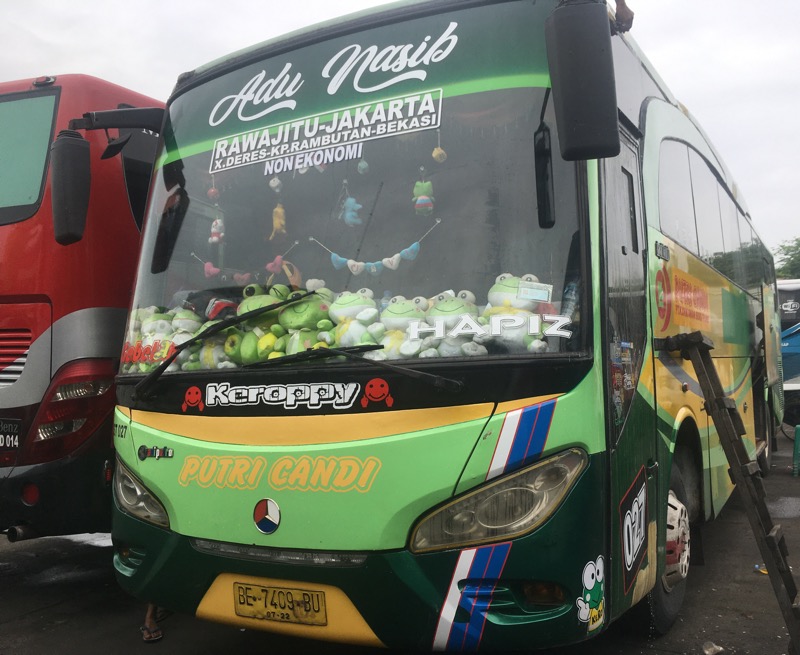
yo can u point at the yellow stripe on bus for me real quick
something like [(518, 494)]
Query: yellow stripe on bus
[(320, 429), (306, 430)]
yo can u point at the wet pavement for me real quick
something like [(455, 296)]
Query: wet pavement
[(59, 596)]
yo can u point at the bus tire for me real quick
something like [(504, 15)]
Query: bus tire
[(666, 597), (765, 458)]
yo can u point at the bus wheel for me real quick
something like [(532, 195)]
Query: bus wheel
[(765, 458), (666, 598)]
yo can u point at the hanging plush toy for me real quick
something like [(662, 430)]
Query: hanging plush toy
[(423, 195), (349, 213), (275, 184), (278, 221), (349, 207), (217, 230), (438, 154)]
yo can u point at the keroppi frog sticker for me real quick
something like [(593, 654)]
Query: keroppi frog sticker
[(592, 601)]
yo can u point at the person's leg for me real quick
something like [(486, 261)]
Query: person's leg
[(150, 630)]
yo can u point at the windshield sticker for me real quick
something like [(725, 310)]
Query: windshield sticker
[(327, 138), (146, 354), (369, 69), (339, 395)]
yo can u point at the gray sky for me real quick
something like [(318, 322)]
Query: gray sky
[(736, 67)]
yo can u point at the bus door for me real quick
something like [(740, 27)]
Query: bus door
[(629, 383), (766, 373)]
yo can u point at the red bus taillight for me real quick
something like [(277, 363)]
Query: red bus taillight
[(80, 397)]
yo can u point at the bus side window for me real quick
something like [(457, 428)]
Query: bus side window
[(675, 205), (733, 263), (706, 209)]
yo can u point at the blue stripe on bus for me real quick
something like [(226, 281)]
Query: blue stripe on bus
[(475, 599), (531, 436)]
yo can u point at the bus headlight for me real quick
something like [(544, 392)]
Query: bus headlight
[(504, 509), (135, 499)]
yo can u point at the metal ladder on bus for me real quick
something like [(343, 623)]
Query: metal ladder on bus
[(744, 473)]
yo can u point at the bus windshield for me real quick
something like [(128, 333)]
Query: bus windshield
[(23, 153), (422, 199)]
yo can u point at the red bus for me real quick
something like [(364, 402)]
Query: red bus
[(65, 280)]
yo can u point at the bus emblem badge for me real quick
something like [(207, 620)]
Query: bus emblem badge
[(267, 516)]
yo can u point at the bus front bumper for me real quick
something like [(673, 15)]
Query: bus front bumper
[(518, 594)]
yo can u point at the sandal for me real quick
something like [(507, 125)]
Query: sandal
[(151, 634)]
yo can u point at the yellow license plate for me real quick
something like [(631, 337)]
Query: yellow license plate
[(282, 604)]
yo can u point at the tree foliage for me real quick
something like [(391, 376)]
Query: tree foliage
[(787, 258)]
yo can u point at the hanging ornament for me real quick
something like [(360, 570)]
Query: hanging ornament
[(423, 195), (209, 270), (217, 230), (280, 264), (275, 265), (278, 221), (242, 279), (363, 167), (376, 268), (275, 184), (348, 207), (439, 155), (213, 194)]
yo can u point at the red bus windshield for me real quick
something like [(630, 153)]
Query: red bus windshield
[(23, 153)]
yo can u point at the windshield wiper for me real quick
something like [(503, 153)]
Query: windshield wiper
[(438, 381), (144, 385)]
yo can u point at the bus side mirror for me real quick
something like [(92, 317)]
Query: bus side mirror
[(578, 38), (70, 181)]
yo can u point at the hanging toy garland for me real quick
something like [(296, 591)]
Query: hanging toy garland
[(438, 154), (218, 224), (217, 237), (376, 267), (423, 194), (348, 207)]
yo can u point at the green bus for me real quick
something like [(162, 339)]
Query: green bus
[(391, 375)]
